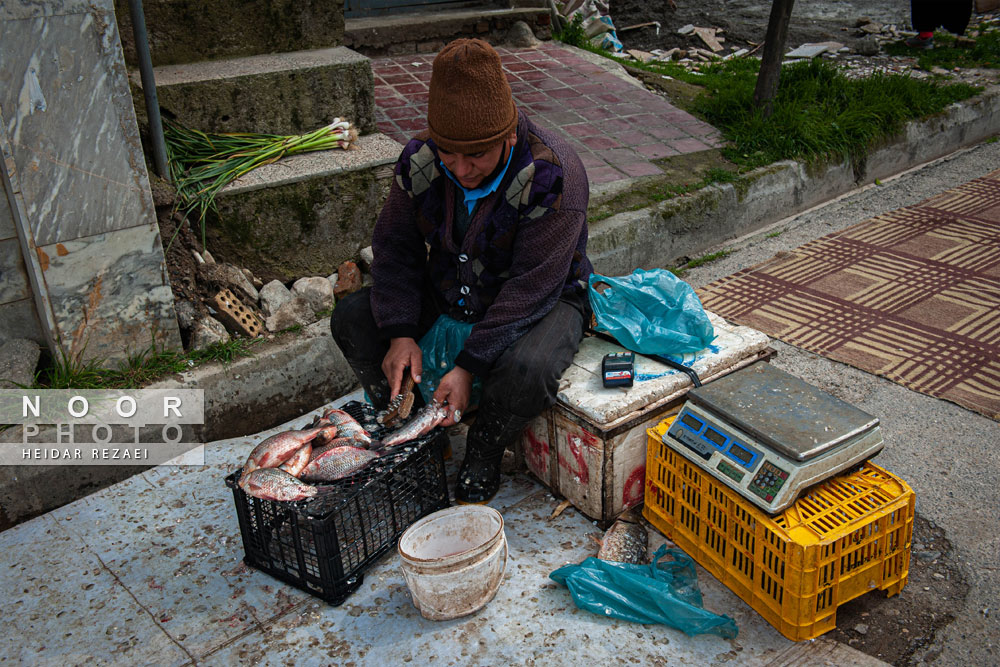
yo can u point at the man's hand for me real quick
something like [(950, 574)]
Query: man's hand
[(455, 389), (402, 352)]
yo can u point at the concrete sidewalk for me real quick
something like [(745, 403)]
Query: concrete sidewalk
[(615, 124), (150, 571)]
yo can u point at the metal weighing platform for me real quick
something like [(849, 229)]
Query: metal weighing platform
[(769, 435)]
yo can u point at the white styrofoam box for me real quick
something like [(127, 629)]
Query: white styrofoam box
[(591, 446)]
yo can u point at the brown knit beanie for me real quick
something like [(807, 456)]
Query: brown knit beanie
[(470, 108)]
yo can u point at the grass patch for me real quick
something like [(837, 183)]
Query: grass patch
[(774, 235), (819, 114), (679, 271), (947, 54), (137, 370)]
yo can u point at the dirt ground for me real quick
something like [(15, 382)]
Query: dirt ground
[(744, 22), (894, 629)]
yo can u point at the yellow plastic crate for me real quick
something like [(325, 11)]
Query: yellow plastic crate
[(842, 538)]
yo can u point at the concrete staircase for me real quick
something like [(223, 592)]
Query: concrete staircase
[(275, 67)]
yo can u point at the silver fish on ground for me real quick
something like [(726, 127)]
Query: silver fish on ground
[(299, 460), (347, 426), (337, 463), (277, 449), (275, 484), (624, 542), (426, 419)]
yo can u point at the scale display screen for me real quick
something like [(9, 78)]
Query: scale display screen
[(715, 437), (691, 422), (740, 453)]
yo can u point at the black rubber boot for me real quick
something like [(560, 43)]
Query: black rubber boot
[(493, 432), (373, 381)]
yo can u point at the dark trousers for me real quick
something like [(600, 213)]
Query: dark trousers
[(929, 15), (523, 381)]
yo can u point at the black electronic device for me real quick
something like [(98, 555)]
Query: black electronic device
[(618, 370)]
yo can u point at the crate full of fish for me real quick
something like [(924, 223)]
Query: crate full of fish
[(318, 506)]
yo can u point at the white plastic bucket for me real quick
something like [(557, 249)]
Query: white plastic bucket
[(454, 560)]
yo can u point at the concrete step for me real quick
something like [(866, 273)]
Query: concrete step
[(428, 31), (186, 32), (306, 214), (286, 93)]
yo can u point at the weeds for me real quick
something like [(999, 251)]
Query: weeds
[(136, 370), (948, 54), (679, 271)]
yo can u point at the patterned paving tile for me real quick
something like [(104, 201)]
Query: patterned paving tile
[(618, 129)]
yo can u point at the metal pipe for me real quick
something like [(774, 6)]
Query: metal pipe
[(149, 88)]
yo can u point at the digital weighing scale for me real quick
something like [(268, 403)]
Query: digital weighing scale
[(769, 435)]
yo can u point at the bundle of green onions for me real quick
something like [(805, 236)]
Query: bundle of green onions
[(202, 163)]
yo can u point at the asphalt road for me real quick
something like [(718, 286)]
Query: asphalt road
[(946, 453)]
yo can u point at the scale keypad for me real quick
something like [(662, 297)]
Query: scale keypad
[(768, 481)]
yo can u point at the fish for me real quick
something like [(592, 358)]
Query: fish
[(347, 426), (336, 442), (275, 484), (624, 542), (426, 419), (337, 463), (299, 460), (277, 449), (328, 434)]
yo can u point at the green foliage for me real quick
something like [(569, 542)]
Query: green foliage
[(574, 34), (947, 54), (818, 113), (136, 370)]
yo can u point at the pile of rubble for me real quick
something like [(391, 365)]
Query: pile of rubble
[(242, 305), (865, 58)]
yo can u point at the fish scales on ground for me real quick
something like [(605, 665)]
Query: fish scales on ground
[(422, 423), (624, 542), (275, 484), (277, 449), (337, 463)]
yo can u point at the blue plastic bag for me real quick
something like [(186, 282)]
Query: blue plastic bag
[(651, 312), (439, 347), (661, 592)]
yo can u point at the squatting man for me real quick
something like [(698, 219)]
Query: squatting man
[(485, 223)]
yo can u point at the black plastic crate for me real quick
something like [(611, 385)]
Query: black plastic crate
[(324, 544)]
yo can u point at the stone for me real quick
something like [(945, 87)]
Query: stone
[(686, 30), (254, 280), (273, 296), (348, 280), (367, 256), (186, 314), (227, 276), (296, 312), (641, 56), (208, 331), (316, 290), (871, 28), (861, 628), (18, 358), (520, 36), (333, 279), (807, 51), (867, 46), (707, 35)]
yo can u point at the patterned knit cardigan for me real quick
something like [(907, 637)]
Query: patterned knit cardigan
[(525, 245)]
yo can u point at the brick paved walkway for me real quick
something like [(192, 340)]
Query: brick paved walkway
[(617, 128)]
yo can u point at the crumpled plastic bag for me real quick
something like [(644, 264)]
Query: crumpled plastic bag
[(651, 312), (439, 347), (664, 592)]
